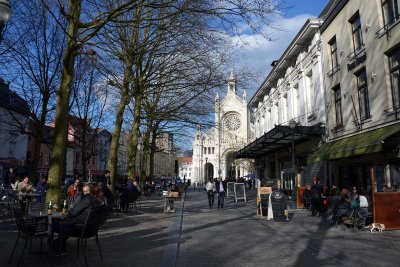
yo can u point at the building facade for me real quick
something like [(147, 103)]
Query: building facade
[(289, 114), (185, 168), (355, 87), (213, 150), (14, 119), (361, 44)]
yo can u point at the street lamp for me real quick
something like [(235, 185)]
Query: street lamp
[(140, 147), (292, 125), (206, 170), (5, 13)]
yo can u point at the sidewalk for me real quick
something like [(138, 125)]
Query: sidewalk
[(234, 236), (237, 237), (128, 239)]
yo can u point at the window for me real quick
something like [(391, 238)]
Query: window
[(357, 32), (390, 11), (334, 58), (338, 106), (310, 92), (394, 65), (285, 108), (363, 95)]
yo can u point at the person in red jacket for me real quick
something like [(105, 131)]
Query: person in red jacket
[(73, 189)]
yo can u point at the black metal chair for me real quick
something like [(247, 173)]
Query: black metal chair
[(340, 212), (28, 229), (37, 206), (6, 199), (87, 230), (132, 203)]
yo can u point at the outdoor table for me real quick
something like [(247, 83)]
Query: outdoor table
[(29, 196), (55, 215), (169, 201)]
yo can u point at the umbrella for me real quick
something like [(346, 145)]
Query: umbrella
[(251, 175)]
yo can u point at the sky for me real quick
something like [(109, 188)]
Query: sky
[(258, 54)]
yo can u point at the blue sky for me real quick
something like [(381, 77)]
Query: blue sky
[(313, 7), (258, 53)]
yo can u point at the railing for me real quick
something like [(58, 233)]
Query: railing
[(388, 26), (333, 71), (356, 52)]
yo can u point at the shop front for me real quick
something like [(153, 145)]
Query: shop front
[(281, 156), (371, 162)]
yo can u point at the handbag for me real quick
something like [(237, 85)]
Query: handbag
[(210, 192)]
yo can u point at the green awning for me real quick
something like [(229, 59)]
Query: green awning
[(363, 143)]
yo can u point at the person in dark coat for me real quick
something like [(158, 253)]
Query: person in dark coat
[(220, 187), (68, 225), (105, 178), (41, 188), (129, 195), (316, 191), (107, 193), (9, 178)]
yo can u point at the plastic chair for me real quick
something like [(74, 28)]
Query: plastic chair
[(28, 229)]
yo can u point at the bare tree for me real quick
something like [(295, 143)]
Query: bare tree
[(34, 54), (84, 19), (88, 108)]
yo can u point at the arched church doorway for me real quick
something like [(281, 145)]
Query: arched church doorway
[(208, 171)]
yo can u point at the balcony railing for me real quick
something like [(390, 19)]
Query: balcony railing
[(388, 26), (356, 52), (333, 71)]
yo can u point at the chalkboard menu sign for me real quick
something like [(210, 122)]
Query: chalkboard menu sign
[(279, 205), (263, 200), (230, 188), (240, 191)]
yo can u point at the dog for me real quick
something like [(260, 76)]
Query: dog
[(380, 227)]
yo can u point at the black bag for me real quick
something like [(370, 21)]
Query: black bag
[(210, 192)]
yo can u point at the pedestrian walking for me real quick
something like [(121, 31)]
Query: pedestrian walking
[(210, 187), (221, 190), (316, 192)]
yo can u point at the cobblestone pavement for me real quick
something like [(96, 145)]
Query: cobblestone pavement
[(127, 239), (236, 237), (197, 236)]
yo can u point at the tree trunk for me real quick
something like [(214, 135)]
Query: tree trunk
[(112, 164), (59, 149), (134, 134)]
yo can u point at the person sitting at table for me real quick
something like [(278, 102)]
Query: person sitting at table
[(73, 189), (106, 193), (41, 188), (67, 226), (23, 188), (10, 178), (129, 195)]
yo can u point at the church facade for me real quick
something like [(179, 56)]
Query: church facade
[(213, 149)]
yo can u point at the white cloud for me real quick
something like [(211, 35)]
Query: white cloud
[(257, 54)]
